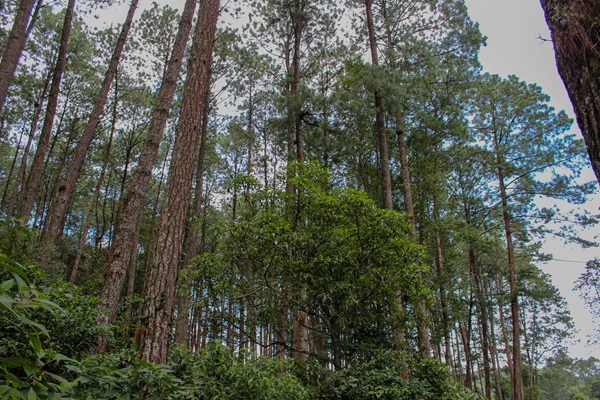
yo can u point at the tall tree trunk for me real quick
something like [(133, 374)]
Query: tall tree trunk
[(5, 200), (386, 178), (483, 321), (94, 203), (517, 382), (37, 168), (299, 23), (17, 188), (133, 201), (575, 34), (190, 244), (158, 307), (422, 332), (60, 205), (14, 48), (467, 347)]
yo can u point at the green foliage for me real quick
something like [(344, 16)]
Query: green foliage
[(332, 253), (391, 376), (215, 373), (29, 368), (567, 378)]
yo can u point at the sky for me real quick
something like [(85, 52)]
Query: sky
[(518, 44)]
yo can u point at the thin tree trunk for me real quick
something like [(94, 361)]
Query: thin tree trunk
[(37, 167), (160, 296), (422, 331), (466, 345), (506, 340), (5, 200), (575, 34), (517, 381), (14, 48), (94, 204), (133, 201), (482, 307), (386, 179), (60, 205)]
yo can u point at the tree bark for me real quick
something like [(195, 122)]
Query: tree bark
[(37, 168), (58, 212), (575, 33), (158, 307), (14, 48), (517, 381), (94, 203), (133, 201), (190, 245), (386, 178), (422, 331)]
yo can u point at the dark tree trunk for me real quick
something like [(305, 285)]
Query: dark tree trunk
[(386, 178), (576, 33), (37, 167), (160, 296), (133, 201), (58, 213), (14, 48)]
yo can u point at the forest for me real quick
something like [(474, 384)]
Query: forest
[(288, 199)]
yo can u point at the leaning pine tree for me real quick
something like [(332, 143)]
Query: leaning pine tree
[(133, 202), (160, 296)]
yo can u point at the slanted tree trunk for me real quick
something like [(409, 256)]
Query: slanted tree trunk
[(160, 296), (14, 48), (18, 186), (386, 178), (58, 212), (575, 33), (133, 201), (190, 245), (37, 168), (88, 219)]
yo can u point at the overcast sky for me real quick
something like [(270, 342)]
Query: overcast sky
[(513, 29)]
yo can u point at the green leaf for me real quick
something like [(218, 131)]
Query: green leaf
[(15, 362), (31, 395), (39, 326), (8, 391), (7, 285), (7, 301), (36, 344)]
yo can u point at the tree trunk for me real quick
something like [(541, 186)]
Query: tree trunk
[(576, 33), (517, 382), (160, 296), (422, 332), (133, 201), (14, 48), (58, 212), (483, 322), (37, 168), (386, 179), (190, 244), (94, 204)]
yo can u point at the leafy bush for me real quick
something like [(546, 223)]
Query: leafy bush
[(29, 369), (391, 376), (214, 374)]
